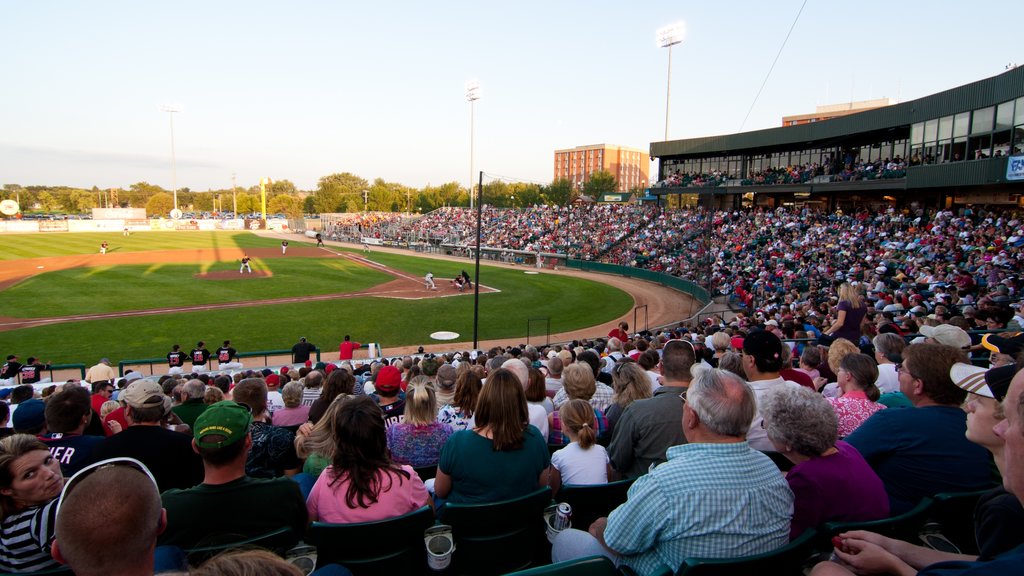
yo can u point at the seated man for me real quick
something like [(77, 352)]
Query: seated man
[(922, 451), (108, 520), (714, 498), (228, 505), (167, 454), (67, 413)]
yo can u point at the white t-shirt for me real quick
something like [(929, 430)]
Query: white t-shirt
[(888, 379), (579, 466), (538, 417), (275, 401)]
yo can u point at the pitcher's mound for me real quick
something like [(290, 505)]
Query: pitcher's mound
[(233, 275)]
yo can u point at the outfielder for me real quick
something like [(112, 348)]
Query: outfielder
[(245, 265)]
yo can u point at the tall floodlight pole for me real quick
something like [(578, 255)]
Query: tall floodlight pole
[(668, 37), (171, 109), (472, 95), (476, 274)]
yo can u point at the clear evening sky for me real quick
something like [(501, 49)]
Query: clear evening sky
[(302, 89)]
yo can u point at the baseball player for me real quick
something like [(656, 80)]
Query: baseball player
[(103, 248), (245, 265), (175, 360), (226, 356), (200, 356), (319, 240), (428, 280), (284, 247)]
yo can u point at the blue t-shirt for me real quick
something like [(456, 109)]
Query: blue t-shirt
[(919, 452)]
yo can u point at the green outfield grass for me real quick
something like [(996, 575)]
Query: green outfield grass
[(570, 303), (18, 246)]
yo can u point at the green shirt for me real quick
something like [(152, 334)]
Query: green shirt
[(208, 515), (190, 410)]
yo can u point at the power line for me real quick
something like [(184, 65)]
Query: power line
[(752, 104)]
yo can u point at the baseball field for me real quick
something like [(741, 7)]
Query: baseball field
[(65, 302)]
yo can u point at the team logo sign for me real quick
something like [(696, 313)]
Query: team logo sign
[(9, 208)]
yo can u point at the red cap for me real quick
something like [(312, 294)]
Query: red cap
[(388, 379)]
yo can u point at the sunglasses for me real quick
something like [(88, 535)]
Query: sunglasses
[(84, 473)]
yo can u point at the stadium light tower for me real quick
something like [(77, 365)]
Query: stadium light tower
[(472, 95), (669, 36), (171, 109)]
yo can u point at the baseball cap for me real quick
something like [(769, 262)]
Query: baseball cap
[(388, 379), (991, 383), (225, 418), (947, 334), (145, 394), (273, 380), (736, 342), (29, 415), (1010, 343), (5, 393)]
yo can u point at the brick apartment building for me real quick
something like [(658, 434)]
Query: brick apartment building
[(629, 166)]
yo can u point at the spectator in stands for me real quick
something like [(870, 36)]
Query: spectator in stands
[(789, 373), (649, 361), (867, 552), (675, 511), (859, 399), (101, 371), (553, 380), (293, 413), (579, 384), (313, 381), (387, 386), (833, 358), (720, 343), (126, 495), (762, 361), (102, 390), (536, 391), (363, 484), (167, 454), (888, 350), (1003, 350), (30, 481), (538, 415), (630, 383), (583, 461), (192, 405), (831, 481), (621, 332), (272, 450), (850, 314), (229, 505), (68, 412), (647, 428), (459, 414), (922, 451), (445, 388), (503, 457), (338, 382), (418, 440), (603, 393), (30, 417)]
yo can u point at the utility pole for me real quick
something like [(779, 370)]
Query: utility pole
[(234, 200)]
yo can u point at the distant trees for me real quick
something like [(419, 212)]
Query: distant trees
[(601, 182), (160, 204)]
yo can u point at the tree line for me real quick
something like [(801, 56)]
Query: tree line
[(340, 192)]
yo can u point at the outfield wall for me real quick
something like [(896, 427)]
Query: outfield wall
[(143, 225)]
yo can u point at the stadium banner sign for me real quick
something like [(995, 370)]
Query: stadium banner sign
[(186, 225), (371, 241), (53, 225), (1015, 168), (207, 224), (277, 225), (254, 224), (231, 224)]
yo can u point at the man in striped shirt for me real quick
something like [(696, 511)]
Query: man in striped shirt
[(715, 497)]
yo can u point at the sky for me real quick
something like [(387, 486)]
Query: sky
[(301, 89)]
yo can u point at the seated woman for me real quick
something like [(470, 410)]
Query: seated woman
[(293, 413), (583, 461), (417, 441), (856, 377), (579, 382), (537, 391), (30, 482), (362, 484), (459, 414), (338, 382), (502, 457), (630, 383), (830, 479)]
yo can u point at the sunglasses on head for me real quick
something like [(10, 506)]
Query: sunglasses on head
[(101, 465)]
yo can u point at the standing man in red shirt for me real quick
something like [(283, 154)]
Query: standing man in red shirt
[(622, 332), (346, 348)]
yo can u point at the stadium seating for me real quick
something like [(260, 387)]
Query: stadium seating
[(589, 566), (277, 541), (387, 547), (592, 502)]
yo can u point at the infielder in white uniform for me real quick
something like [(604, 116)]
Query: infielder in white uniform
[(429, 281)]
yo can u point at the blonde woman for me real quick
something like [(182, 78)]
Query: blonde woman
[(417, 440), (630, 382), (849, 314)]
